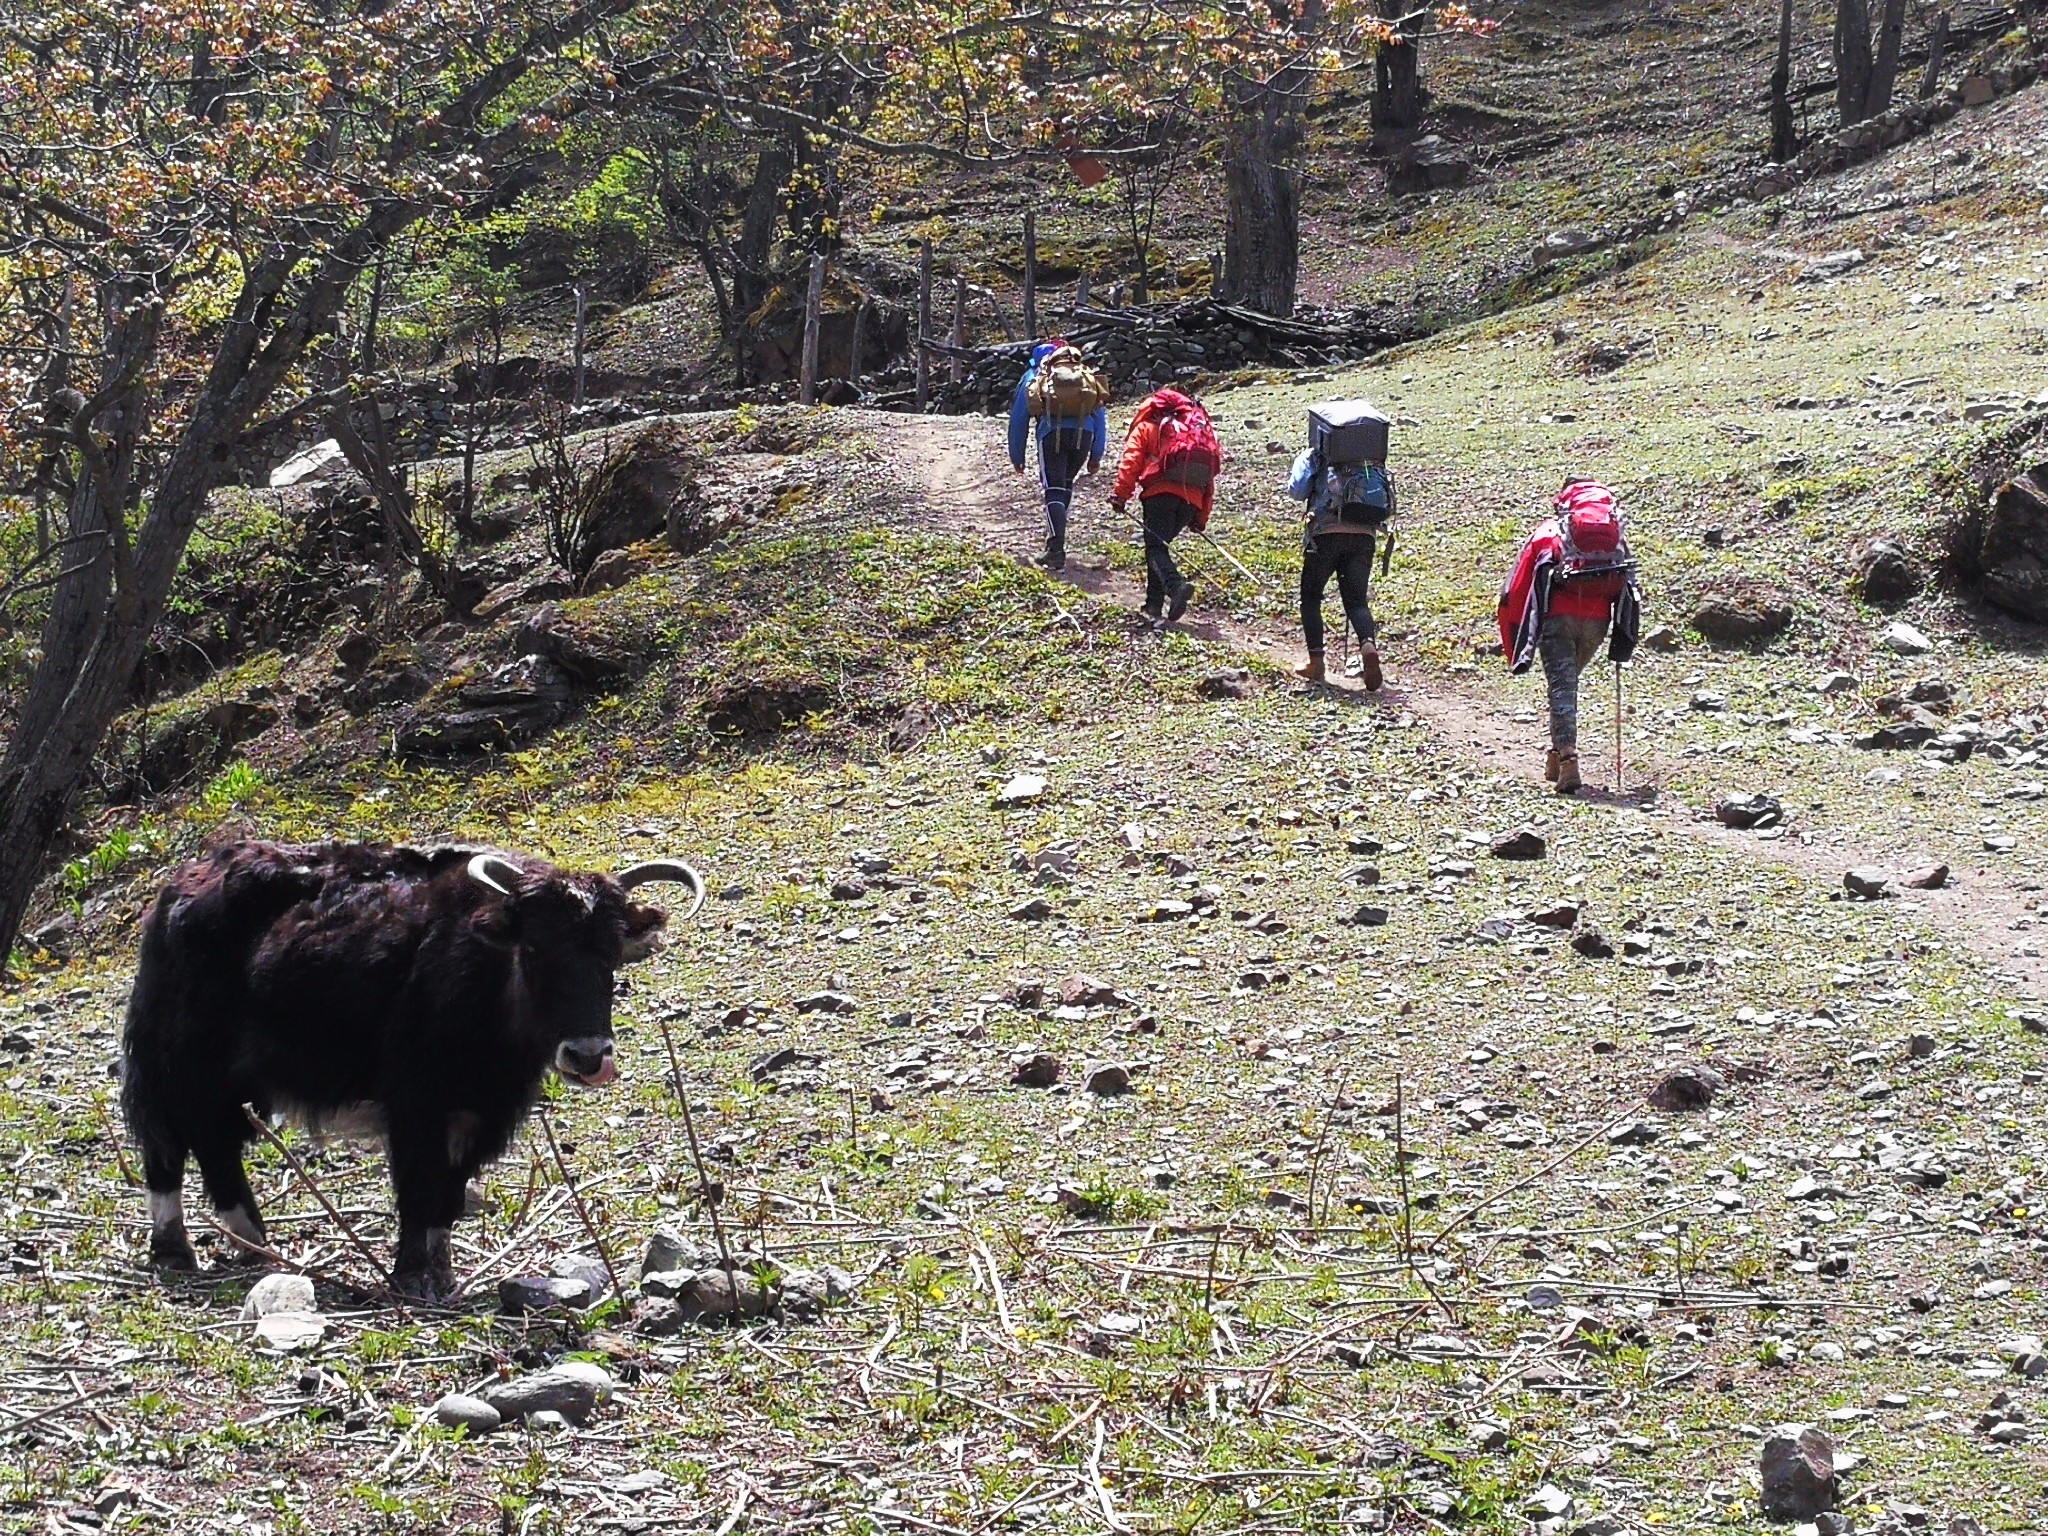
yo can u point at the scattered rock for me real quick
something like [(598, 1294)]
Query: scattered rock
[(708, 1295), (1797, 1464), (1108, 1079), (1744, 812), (1559, 914), (1835, 684), (1633, 1133), (1831, 266), (278, 1293), (1905, 640), (1931, 877), (541, 1293), (1036, 910), (1226, 683), (1040, 1069), (1686, 1088), (290, 1332), (1024, 789), (826, 1002), (1369, 916), (850, 888), (1867, 883), (1522, 843), (573, 1389), (1889, 575), (507, 707), (1593, 944), (1743, 614), (458, 1410), (1661, 637), (1561, 243), (1079, 991)]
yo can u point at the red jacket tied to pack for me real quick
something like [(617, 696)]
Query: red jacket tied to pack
[(1576, 563), (1171, 449)]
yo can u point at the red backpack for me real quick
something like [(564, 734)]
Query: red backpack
[(1188, 451), (1593, 556)]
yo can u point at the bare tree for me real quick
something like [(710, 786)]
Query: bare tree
[(1784, 129), (1864, 81), (1161, 147)]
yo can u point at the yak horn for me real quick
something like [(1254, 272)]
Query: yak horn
[(490, 870), (666, 869)]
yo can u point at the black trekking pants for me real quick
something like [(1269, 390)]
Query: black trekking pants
[(1165, 516), (1062, 454), (1348, 557)]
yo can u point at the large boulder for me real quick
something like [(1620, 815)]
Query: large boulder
[(2014, 554), (1743, 613), (508, 706), (1428, 165)]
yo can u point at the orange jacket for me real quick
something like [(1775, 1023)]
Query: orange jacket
[(1138, 471)]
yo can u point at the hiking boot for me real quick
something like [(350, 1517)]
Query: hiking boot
[(1369, 663), (1055, 553), (1550, 767), (1311, 671), (1182, 596), (1568, 780)]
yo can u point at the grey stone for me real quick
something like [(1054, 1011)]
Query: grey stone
[(1522, 843), (458, 1410), (1867, 882), (1889, 575), (1903, 639), (573, 1389), (1797, 1464), (1746, 811), (1108, 1079), (668, 1250), (1686, 1088), (291, 1332), (278, 1293), (1931, 877), (2014, 552), (805, 1293), (521, 1294), (826, 1002), (1039, 1069), (1023, 789), (711, 1295), (1742, 614)]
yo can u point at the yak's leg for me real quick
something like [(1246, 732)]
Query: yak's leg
[(429, 1185), (227, 1185), (163, 1172)]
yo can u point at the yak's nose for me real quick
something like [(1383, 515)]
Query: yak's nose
[(589, 1062)]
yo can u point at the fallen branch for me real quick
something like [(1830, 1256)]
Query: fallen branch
[(604, 1251), (334, 1213)]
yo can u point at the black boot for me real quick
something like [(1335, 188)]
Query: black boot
[(1055, 553)]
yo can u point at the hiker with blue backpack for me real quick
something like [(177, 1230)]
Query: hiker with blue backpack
[(1067, 399), (1342, 476)]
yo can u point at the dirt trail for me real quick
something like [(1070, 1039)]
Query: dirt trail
[(960, 466)]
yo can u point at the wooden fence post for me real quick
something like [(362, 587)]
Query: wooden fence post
[(955, 367), (1936, 46), (924, 324), (814, 304), (1030, 275), (1081, 292)]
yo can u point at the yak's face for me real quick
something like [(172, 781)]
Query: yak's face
[(569, 938), (570, 934)]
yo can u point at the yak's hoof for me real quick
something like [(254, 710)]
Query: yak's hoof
[(433, 1287), (175, 1257)]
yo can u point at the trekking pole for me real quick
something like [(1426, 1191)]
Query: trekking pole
[(1618, 782), (1226, 554)]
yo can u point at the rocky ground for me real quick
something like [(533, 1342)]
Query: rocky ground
[(1114, 1087)]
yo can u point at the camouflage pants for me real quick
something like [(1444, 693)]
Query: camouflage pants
[(1567, 642)]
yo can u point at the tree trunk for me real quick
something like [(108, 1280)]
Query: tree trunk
[(1885, 76), (1397, 94), (1852, 61), (752, 258), (1784, 129), (1262, 227), (1937, 45)]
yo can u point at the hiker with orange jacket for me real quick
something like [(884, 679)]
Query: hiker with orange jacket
[(1170, 462), (1573, 586)]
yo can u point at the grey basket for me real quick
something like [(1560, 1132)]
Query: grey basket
[(1348, 432)]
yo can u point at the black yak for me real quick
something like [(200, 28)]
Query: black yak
[(426, 991)]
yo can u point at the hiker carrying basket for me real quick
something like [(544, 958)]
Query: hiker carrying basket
[(1342, 475)]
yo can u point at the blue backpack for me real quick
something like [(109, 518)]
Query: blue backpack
[(1357, 493)]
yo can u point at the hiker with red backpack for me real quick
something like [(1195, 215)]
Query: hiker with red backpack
[(1170, 462), (1574, 585), (1068, 400)]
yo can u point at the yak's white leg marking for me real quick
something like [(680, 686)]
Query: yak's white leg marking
[(166, 1217), (241, 1221)]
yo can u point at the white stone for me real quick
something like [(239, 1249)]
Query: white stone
[(1906, 640)]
